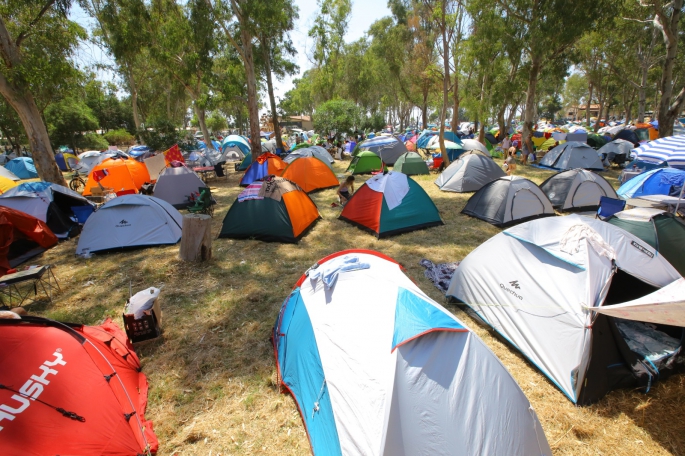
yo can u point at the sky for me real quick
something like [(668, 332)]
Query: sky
[(364, 13)]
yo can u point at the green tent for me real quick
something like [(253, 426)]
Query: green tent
[(365, 162), (247, 161), (596, 141), (410, 163), (302, 145), (661, 230), (488, 145)]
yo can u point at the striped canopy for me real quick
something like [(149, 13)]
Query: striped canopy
[(670, 149)]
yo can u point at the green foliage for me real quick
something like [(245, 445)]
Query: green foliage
[(111, 113), (216, 122), (575, 90), (161, 135), (119, 137), (339, 116), (68, 120), (374, 122), (91, 141)]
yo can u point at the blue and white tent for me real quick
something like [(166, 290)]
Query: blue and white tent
[(661, 181), (670, 149), (235, 147), (376, 367), (22, 167), (426, 135), (388, 148)]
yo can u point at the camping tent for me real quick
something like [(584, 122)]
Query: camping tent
[(596, 141), (313, 151), (472, 144), (88, 160), (507, 201), (22, 167), (663, 231), (72, 389), (577, 189), (426, 135), (660, 181), (6, 173), (390, 204), (310, 174), (48, 202), (6, 184), (547, 273), (377, 367), (235, 147), (247, 161), (140, 153), (410, 164), (273, 211), (628, 135), (365, 162), (571, 155), (614, 149), (130, 221), (21, 237), (121, 174), (175, 186), (61, 159), (266, 164), (388, 148), (469, 174)]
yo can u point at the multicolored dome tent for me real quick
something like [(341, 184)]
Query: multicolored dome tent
[(265, 165), (469, 173), (661, 230), (660, 181), (507, 201), (72, 389), (235, 147), (390, 204), (410, 164), (377, 367), (121, 174), (310, 174), (272, 210), (577, 189), (365, 162)]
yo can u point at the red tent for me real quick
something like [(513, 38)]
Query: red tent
[(29, 235), (71, 389)]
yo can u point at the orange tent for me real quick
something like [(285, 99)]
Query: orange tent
[(653, 132), (266, 164), (310, 174), (121, 174)]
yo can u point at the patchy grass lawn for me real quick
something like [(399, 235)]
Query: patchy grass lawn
[(212, 374)]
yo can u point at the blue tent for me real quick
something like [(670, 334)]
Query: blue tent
[(255, 172), (140, 152), (662, 181), (236, 141), (426, 135), (61, 162), (22, 167), (202, 145)]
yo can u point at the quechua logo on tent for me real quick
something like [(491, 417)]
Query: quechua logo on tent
[(33, 388), (122, 224), (514, 284)]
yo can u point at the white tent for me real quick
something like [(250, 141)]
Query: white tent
[(175, 185), (472, 144), (130, 221), (7, 174), (469, 173), (577, 189), (379, 368), (533, 284)]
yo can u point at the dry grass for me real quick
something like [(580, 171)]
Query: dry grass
[(212, 375)]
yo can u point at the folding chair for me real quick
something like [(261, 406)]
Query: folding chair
[(609, 206), (204, 203)]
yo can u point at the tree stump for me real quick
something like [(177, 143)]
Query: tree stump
[(196, 241)]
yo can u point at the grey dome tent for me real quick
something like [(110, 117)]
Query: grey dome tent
[(469, 174), (577, 189), (570, 155), (507, 201), (386, 147), (313, 151), (130, 221), (616, 151), (472, 144), (548, 274), (175, 185), (411, 164)]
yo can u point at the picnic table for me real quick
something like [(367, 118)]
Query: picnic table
[(205, 172)]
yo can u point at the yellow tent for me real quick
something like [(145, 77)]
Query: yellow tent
[(6, 184)]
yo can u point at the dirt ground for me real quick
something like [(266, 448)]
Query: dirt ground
[(212, 374)]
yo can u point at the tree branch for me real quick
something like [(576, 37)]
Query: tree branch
[(238, 48), (35, 20)]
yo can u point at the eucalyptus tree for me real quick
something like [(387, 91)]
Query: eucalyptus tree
[(36, 43)]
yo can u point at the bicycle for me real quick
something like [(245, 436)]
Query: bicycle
[(77, 183)]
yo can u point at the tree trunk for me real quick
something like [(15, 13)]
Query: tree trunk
[(445, 87), (588, 104), (529, 112), (500, 122), (252, 101), (196, 241), (272, 99), (36, 132), (669, 29), (134, 97), (200, 113), (642, 95)]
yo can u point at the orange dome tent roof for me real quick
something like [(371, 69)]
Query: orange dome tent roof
[(310, 174), (122, 174)]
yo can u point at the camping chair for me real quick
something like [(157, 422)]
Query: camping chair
[(609, 206), (204, 203)]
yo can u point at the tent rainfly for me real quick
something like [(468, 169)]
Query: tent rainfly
[(577, 189), (376, 367)]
